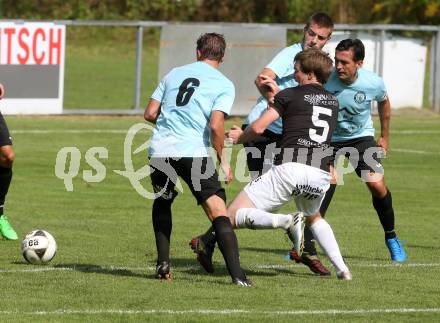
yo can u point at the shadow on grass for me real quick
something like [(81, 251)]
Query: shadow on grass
[(97, 269)]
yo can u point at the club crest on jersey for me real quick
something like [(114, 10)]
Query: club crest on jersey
[(360, 97)]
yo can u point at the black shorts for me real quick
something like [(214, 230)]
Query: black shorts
[(199, 174), (257, 150), (365, 159), (5, 137)]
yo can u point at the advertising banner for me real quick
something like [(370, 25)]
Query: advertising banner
[(32, 67)]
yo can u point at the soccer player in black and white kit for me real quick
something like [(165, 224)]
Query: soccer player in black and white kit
[(7, 157), (259, 152), (302, 169)]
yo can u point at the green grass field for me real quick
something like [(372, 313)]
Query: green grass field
[(104, 268), (100, 67)]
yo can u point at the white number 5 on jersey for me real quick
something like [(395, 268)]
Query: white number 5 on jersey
[(317, 111)]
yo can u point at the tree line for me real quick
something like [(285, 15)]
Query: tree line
[(426, 12)]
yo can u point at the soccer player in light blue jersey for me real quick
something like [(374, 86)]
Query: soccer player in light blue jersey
[(355, 89), (189, 107), (317, 33)]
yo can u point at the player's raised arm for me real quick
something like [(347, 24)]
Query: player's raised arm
[(384, 109)]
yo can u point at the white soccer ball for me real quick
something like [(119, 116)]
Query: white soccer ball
[(38, 247)]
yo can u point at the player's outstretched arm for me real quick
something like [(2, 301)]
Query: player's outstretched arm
[(257, 127), (384, 109), (2, 91), (152, 111)]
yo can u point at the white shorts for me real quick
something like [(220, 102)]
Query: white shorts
[(305, 184)]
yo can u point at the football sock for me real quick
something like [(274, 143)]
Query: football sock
[(162, 225), (5, 181), (323, 234), (327, 199), (384, 209), (309, 244), (228, 245), (258, 219), (208, 237)]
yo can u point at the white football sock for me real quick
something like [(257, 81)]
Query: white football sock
[(323, 234), (258, 219)]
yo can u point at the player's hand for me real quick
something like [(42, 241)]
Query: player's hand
[(227, 171), (269, 82), (234, 133), (382, 142), (271, 86), (2, 91)]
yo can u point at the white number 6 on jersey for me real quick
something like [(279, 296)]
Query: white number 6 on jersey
[(317, 110)]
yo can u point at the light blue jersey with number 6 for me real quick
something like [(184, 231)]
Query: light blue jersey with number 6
[(188, 94)]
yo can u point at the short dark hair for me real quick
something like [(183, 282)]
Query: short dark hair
[(315, 61), (355, 45), (212, 46), (321, 19)]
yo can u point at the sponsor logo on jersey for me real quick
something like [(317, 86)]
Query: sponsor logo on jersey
[(326, 99)]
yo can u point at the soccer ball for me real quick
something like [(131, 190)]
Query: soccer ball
[(38, 247)]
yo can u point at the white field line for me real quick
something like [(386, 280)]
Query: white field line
[(85, 131), (415, 132), (227, 312), (80, 131), (125, 131), (196, 267), (411, 151)]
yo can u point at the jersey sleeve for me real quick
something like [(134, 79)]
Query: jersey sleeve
[(159, 92), (281, 62), (224, 101), (381, 92), (280, 102)]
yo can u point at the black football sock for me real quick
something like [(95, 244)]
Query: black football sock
[(228, 245), (327, 199), (309, 244), (162, 224), (208, 237), (384, 209), (5, 181)]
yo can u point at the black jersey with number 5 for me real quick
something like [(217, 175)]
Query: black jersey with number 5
[(309, 115)]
